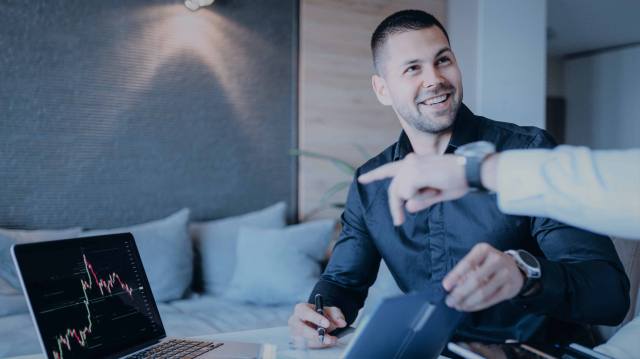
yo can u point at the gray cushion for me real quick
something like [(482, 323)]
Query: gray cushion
[(13, 304), (216, 243), (385, 286), (9, 237), (277, 266), (166, 253)]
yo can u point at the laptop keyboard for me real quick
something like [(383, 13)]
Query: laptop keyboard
[(176, 348)]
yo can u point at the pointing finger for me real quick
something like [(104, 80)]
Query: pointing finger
[(380, 173)]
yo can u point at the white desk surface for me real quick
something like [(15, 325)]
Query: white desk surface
[(280, 337), (277, 335)]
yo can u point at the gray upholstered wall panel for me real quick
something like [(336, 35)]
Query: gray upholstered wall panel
[(117, 112)]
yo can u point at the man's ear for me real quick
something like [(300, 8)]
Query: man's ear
[(380, 89)]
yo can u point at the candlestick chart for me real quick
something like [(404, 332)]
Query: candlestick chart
[(91, 301)]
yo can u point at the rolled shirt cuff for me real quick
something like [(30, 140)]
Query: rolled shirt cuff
[(521, 183)]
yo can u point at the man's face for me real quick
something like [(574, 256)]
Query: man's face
[(420, 78)]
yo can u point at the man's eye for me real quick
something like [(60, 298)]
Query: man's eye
[(443, 61), (411, 69)]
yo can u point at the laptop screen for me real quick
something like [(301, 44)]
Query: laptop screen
[(89, 296)]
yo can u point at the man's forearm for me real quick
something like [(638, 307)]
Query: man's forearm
[(596, 190)]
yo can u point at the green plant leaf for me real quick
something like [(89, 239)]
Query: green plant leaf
[(321, 207), (333, 190), (341, 165), (362, 151)]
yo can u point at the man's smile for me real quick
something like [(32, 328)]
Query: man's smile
[(438, 102)]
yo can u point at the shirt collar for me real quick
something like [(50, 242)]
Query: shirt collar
[(466, 129)]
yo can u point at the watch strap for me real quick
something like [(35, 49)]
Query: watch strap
[(473, 167), (530, 279), (475, 153)]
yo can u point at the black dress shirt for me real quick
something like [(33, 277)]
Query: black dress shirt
[(582, 280)]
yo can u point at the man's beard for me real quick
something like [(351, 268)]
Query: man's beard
[(424, 123)]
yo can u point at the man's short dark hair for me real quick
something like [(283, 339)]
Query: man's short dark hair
[(401, 21)]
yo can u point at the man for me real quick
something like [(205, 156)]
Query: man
[(417, 74), (596, 190)]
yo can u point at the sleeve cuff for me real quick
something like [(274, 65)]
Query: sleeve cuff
[(347, 300), (551, 292), (520, 181)]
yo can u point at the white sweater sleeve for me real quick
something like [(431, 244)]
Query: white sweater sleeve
[(594, 190)]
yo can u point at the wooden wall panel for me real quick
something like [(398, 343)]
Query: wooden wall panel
[(338, 109)]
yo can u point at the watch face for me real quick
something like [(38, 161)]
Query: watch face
[(528, 259)]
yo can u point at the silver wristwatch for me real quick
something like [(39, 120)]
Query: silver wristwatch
[(474, 153), (529, 265)]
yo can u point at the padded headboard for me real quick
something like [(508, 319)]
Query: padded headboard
[(117, 112)]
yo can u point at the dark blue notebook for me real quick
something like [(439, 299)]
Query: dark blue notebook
[(415, 325)]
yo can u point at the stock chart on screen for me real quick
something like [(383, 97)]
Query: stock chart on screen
[(90, 300)]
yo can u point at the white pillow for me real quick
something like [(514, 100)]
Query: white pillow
[(385, 286), (216, 241), (9, 237), (279, 266), (13, 304), (166, 252), (12, 301)]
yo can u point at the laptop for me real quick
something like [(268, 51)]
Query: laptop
[(414, 325), (90, 298)]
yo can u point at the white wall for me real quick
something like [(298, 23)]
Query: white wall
[(501, 48), (462, 27), (603, 99)]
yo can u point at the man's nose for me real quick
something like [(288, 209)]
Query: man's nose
[(431, 78)]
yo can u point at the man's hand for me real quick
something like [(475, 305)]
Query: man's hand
[(304, 321), (420, 181), (484, 277)]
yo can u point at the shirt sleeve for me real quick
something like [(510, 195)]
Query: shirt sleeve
[(577, 268), (354, 263), (595, 190)]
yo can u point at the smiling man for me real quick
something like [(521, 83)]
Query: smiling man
[(546, 287)]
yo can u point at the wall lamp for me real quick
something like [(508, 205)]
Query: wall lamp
[(194, 5)]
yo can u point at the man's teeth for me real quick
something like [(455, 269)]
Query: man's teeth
[(435, 100)]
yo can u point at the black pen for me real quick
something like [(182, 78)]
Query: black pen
[(320, 310)]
